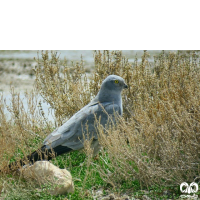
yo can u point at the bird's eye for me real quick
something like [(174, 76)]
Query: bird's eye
[(116, 81)]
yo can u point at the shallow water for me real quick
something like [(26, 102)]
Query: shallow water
[(49, 115), (71, 55)]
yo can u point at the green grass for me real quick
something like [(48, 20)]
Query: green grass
[(86, 178), (164, 125)]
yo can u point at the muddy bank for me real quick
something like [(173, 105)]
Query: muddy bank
[(17, 73), (16, 66)]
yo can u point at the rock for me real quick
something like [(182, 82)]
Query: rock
[(44, 172), (145, 197), (99, 193), (106, 198), (112, 196), (126, 197)]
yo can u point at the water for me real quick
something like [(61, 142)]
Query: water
[(74, 55), (68, 54), (49, 115)]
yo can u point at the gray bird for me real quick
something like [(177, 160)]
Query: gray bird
[(70, 136)]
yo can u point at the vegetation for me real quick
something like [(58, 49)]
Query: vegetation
[(152, 150)]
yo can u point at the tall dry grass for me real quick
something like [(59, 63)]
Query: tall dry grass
[(22, 127), (161, 112), (156, 141)]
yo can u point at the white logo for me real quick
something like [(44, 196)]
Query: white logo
[(192, 188)]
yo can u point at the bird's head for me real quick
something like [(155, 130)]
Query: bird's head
[(110, 90), (114, 83)]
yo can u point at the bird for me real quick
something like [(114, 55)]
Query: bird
[(71, 135)]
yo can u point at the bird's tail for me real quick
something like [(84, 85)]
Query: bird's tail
[(42, 153)]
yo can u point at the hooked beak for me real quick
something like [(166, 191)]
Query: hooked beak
[(125, 86)]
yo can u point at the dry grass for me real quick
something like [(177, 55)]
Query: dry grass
[(156, 141), (162, 124), (23, 130)]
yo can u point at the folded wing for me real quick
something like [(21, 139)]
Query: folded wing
[(71, 133)]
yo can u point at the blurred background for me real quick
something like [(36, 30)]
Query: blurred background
[(16, 68)]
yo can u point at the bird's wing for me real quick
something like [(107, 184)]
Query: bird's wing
[(71, 133)]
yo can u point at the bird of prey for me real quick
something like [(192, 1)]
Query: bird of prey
[(70, 136)]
